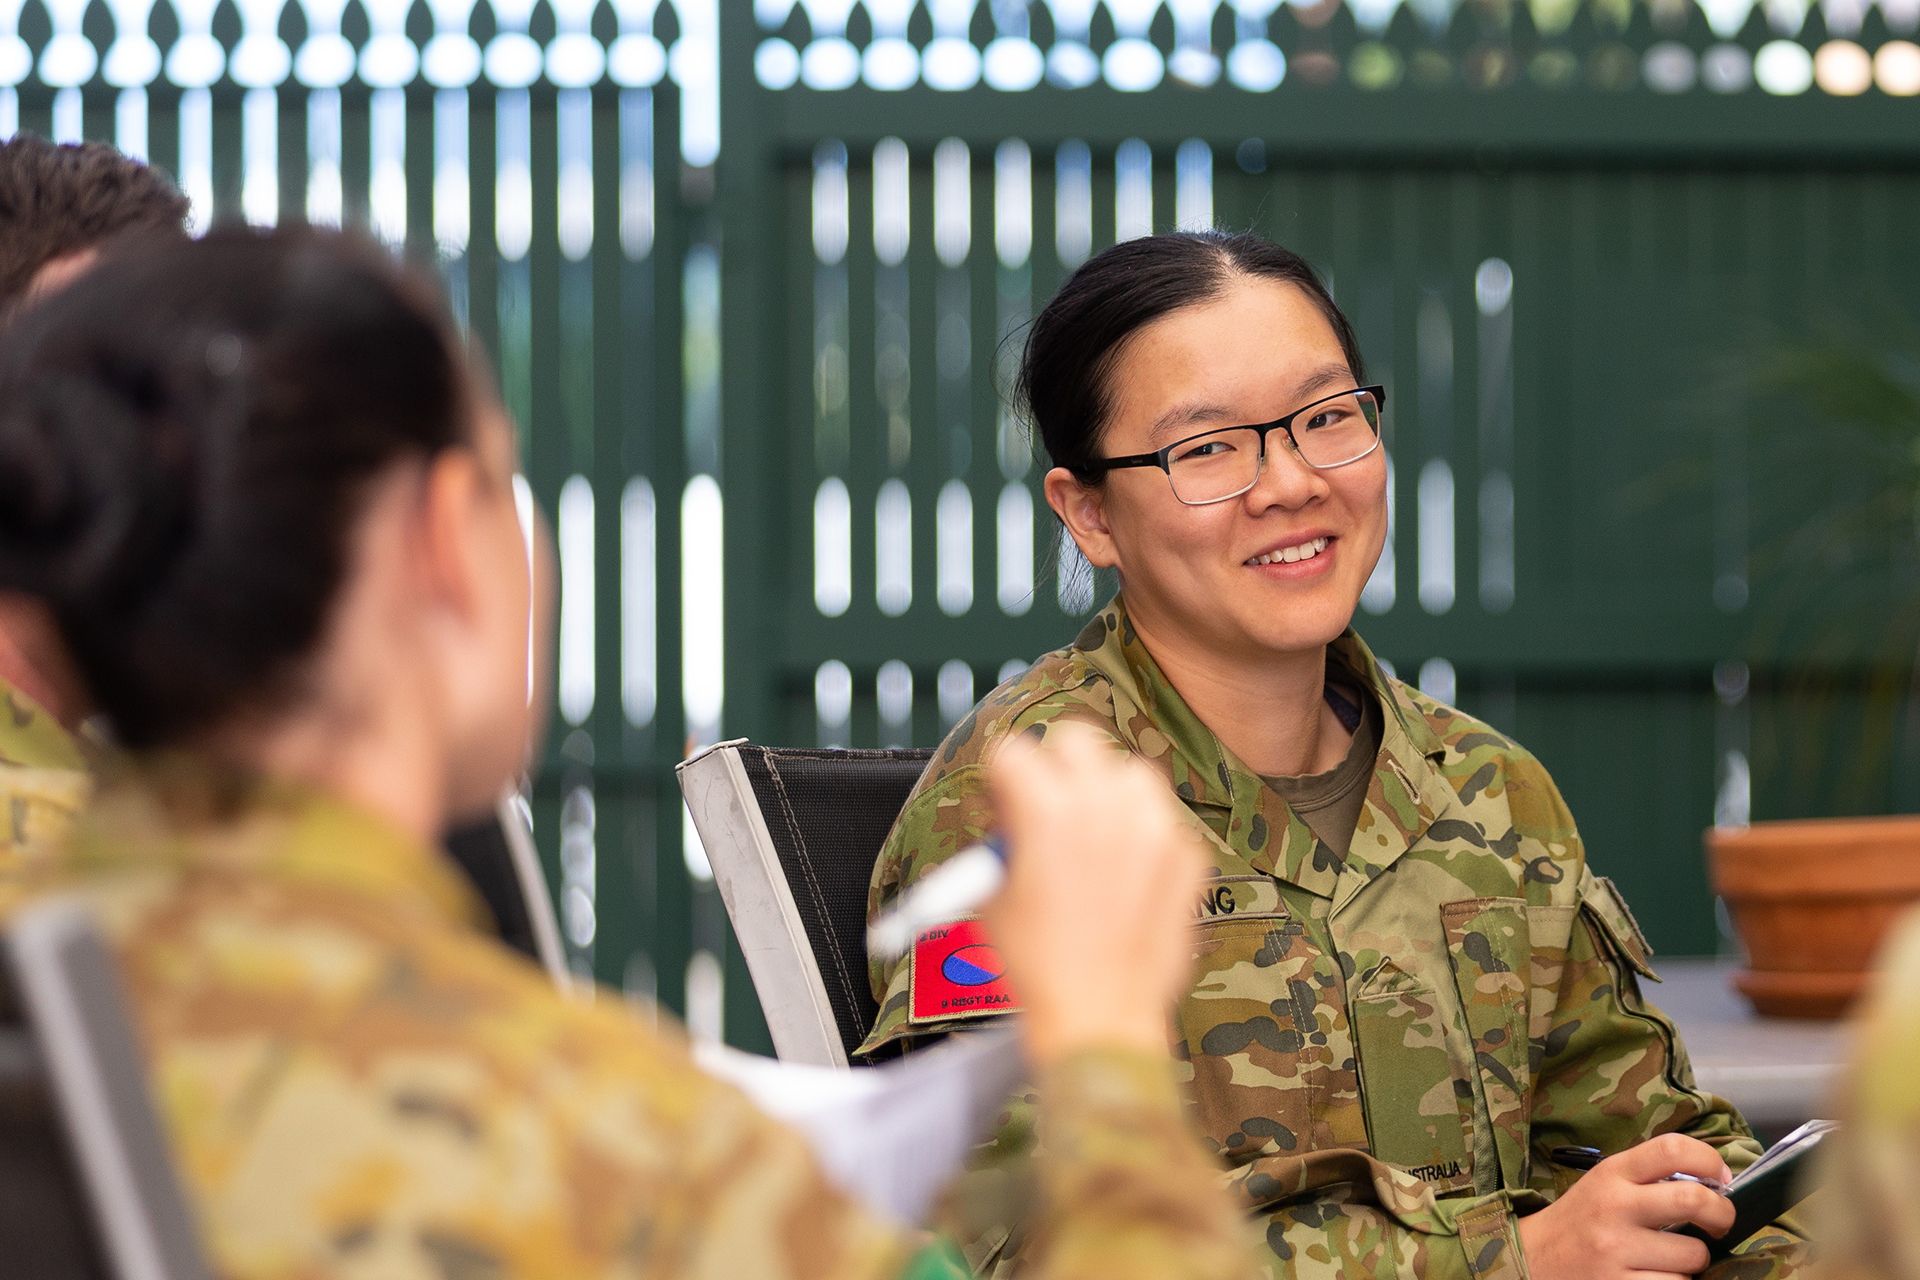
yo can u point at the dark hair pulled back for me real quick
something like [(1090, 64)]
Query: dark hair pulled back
[(186, 437), (1067, 368), (58, 199)]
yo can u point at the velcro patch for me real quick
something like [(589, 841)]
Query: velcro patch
[(1240, 898), (957, 973)]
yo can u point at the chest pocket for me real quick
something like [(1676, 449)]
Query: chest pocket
[(1419, 1109), (1252, 1030)]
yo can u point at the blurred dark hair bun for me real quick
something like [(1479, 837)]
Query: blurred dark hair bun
[(185, 437), (87, 507)]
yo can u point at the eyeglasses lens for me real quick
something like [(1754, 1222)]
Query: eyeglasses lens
[(1221, 464)]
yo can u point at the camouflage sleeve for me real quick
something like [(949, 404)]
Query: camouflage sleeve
[(1126, 1189), (1615, 1073), (1126, 1192), (1867, 1214), (747, 1198)]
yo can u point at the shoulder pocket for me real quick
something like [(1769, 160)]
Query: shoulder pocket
[(1603, 904)]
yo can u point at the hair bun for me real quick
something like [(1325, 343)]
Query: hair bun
[(88, 506)]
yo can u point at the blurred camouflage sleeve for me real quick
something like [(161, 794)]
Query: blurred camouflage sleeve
[(43, 781), (1126, 1189), (1867, 1211), (746, 1198)]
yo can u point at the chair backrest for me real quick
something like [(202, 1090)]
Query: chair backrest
[(87, 1188), (792, 834), (497, 854)]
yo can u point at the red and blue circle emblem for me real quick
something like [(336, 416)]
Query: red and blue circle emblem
[(972, 966)]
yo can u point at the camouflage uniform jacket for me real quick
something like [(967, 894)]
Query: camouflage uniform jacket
[(43, 780), (1382, 1049), (1867, 1214), (358, 1083)]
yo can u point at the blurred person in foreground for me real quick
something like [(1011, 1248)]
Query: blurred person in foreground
[(61, 206), (271, 508), (1870, 1173)]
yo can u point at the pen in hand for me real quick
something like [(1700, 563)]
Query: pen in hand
[(955, 889), (1584, 1158)]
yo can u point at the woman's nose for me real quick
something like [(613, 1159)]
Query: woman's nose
[(1285, 479)]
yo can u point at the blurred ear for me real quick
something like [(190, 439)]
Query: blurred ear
[(448, 548), (1082, 508)]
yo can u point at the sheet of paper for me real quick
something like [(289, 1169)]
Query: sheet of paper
[(1810, 1132), (893, 1135)]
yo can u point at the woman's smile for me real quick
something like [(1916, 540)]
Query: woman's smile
[(1299, 557)]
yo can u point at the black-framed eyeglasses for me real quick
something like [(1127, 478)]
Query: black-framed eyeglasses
[(1224, 463)]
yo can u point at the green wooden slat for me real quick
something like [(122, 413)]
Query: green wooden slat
[(550, 456), (355, 153), (418, 158), (97, 113), (227, 157), (291, 126), (1457, 264), (163, 129), (1165, 195), (927, 465), (653, 392), (1105, 195), (1048, 272), (625, 851), (482, 265), (983, 475), (1523, 123)]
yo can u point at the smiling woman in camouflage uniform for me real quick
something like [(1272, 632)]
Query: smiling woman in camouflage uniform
[(1411, 985)]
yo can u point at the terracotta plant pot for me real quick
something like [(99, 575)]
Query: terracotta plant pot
[(1812, 901)]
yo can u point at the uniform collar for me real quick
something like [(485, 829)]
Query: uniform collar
[(1404, 796), (32, 738), (185, 816)]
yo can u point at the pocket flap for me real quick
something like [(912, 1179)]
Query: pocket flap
[(1489, 943), (1609, 910)]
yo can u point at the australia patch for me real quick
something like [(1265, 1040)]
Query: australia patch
[(957, 973)]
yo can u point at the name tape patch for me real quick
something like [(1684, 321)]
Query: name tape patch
[(957, 973)]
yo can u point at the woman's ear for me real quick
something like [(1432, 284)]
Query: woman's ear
[(449, 553), (1082, 508)]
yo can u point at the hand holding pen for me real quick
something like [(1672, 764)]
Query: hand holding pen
[(1613, 1222), (1584, 1158)]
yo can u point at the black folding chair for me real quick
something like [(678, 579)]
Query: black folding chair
[(496, 852), (792, 834), (87, 1187)]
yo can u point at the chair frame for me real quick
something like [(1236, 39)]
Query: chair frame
[(69, 997), (773, 938), (516, 826)]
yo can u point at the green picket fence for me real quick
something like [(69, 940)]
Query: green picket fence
[(749, 274)]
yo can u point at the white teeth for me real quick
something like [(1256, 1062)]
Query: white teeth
[(1293, 555)]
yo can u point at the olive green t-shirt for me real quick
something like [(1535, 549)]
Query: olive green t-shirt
[(1330, 803)]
